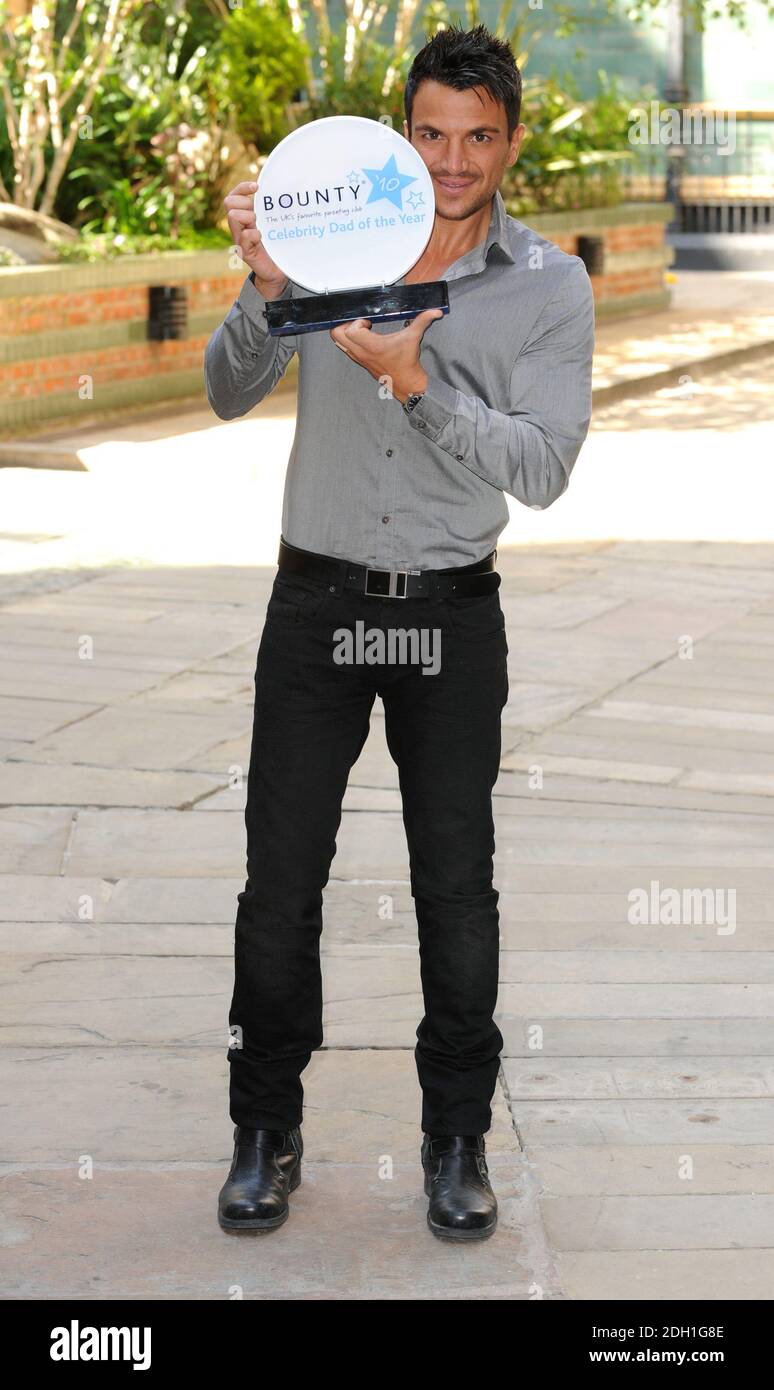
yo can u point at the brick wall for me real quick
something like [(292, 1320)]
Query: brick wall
[(73, 338), (636, 255)]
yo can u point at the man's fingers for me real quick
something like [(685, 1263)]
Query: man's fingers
[(243, 201), (344, 337), (243, 188), (249, 239), (241, 218), (423, 320), (244, 206), (354, 331)]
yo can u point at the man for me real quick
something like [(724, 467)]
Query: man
[(393, 506)]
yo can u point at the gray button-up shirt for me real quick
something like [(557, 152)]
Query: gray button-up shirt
[(506, 409)]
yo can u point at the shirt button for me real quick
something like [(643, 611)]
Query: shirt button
[(458, 457), (388, 453), (385, 519)]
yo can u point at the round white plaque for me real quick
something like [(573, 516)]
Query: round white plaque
[(344, 202)]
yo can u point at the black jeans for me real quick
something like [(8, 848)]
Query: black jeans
[(443, 731)]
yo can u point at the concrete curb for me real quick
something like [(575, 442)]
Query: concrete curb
[(672, 376)]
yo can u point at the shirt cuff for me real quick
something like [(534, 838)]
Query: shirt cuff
[(253, 303), (436, 408)]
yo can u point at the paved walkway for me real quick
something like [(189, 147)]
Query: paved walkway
[(632, 1147), (714, 315), (634, 1132)]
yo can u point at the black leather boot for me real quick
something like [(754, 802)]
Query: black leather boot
[(462, 1203), (266, 1167)]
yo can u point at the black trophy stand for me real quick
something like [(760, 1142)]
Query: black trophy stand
[(384, 302)]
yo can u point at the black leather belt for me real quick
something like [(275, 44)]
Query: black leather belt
[(463, 581)]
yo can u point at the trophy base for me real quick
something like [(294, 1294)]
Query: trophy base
[(317, 311)]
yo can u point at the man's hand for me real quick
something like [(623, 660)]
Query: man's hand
[(393, 355), (269, 279)]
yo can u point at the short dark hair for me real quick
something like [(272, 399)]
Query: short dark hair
[(462, 59)]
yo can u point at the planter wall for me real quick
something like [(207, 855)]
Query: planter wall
[(635, 253), (60, 325), (74, 338)]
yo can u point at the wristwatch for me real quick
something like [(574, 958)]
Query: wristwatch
[(411, 401)]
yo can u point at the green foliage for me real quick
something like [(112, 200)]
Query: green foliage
[(699, 12), (10, 258), (261, 70), (183, 81), (143, 163), (361, 91), (102, 246), (575, 153), (190, 82)]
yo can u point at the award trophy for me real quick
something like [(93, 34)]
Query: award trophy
[(345, 207)]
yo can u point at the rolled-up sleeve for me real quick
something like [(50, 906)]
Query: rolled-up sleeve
[(242, 361), (528, 450)]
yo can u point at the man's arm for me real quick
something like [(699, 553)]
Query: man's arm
[(528, 452), (242, 361)]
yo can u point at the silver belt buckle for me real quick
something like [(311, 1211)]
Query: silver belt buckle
[(392, 591)]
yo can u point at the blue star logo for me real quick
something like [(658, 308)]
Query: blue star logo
[(353, 176), (415, 199), (388, 183)]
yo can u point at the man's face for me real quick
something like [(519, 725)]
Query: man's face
[(463, 139)]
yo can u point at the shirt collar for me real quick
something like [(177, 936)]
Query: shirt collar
[(476, 259), (498, 228), (497, 236)]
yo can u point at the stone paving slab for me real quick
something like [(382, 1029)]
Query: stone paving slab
[(33, 839), (167, 1169), (137, 736), (710, 795), (611, 1078), (124, 854), (595, 938), (691, 1123), (545, 1001), (45, 898), (31, 720), (654, 1168), (603, 747), (125, 1105), (74, 785), (664, 1275), (685, 1222), (50, 939), (638, 727), (351, 1236), (634, 966), (372, 997), (76, 680), (624, 829), (639, 1037), (26, 646), (118, 843)]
